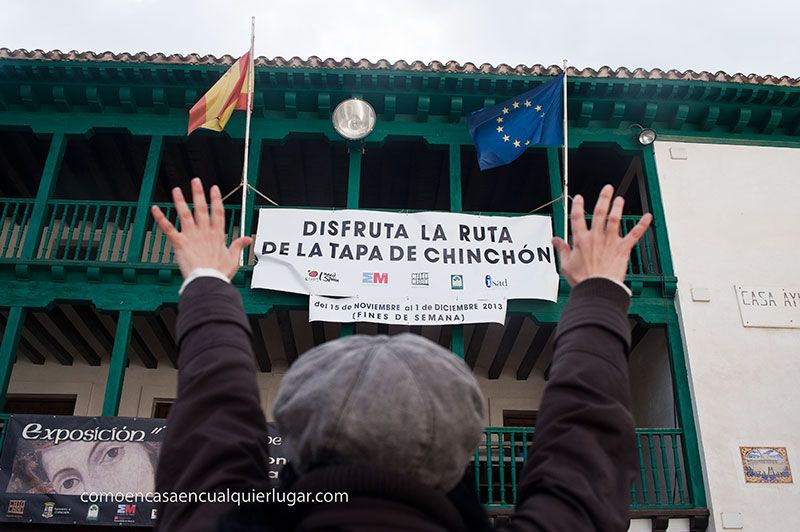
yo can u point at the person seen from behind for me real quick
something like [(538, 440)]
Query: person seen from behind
[(394, 421)]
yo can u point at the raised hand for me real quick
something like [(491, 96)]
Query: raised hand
[(600, 251), (201, 241)]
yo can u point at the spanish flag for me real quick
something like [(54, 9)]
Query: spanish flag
[(214, 109)]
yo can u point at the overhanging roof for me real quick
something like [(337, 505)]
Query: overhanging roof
[(451, 67)]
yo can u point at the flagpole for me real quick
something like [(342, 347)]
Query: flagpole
[(250, 84), (566, 158)]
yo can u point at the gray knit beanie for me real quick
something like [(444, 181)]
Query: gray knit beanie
[(398, 402)]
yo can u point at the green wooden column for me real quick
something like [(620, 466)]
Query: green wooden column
[(46, 186), (680, 377), (116, 369), (457, 342), (556, 189), (8, 348), (353, 194), (151, 169), (683, 404), (16, 315), (119, 358), (659, 225)]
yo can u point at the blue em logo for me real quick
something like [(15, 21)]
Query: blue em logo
[(375, 278), (457, 282)]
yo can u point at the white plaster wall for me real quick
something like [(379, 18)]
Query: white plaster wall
[(732, 218), (142, 387), (86, 382)]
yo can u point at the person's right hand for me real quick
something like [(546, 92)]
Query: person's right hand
[(600, 251), (201, 241)]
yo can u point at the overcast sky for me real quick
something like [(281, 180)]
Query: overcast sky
[(734, 36)]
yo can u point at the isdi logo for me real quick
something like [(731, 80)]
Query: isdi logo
[(492, 282), (375, 278)]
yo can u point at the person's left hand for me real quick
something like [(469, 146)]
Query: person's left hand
[(201, 241)]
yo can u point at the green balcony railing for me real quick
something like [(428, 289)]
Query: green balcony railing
[(661, 483), (100, 232), (86, 231), (644, 256), (157, 249), (14, 217)]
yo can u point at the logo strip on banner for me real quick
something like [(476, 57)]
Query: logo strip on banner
[(410, 258), (407, 310)]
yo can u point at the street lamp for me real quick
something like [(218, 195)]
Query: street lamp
[(353, 119)]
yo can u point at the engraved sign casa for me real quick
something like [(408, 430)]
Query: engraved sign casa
[(769, 306)]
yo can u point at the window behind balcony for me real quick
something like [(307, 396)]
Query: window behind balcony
[(55, 405)]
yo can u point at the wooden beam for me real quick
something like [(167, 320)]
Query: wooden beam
[(145, 354), (260, 346), (287, 335), (681, 112), (36, 332), (475, 344), (68, 330), (775, 116), (711, 118), (506, 344), (93, 324), (30, 352), (742, 121), (164, 338), (534, 351), (617, 114), (44, 343)]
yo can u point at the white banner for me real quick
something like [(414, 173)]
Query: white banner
[(405, 310), (373, 254)]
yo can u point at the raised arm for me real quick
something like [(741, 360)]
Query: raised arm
[(216, 432), (583, 458)]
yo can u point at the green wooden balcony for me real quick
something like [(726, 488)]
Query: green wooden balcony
[(96, 233), (662, 481)]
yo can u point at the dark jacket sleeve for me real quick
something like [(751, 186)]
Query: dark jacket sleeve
[(216, 431), (583, 458)]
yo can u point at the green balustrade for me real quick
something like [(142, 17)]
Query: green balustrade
[(92, 232), (14, 217), (157, 249), (661, 481), (95, 232)]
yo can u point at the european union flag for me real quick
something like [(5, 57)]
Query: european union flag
[(535, 118)]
